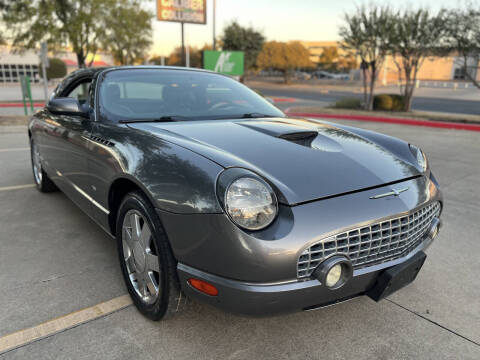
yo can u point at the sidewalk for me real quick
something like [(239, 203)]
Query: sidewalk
[(425, 119), (470, 93)]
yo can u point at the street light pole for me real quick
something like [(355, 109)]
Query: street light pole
[(183, 47)]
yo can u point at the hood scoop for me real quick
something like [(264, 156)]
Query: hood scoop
[(304, 138), (312, 137)]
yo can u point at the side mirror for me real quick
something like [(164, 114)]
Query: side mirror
[(66, 106)]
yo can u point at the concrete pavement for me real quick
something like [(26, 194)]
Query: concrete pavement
[(54, 260), (464, 101)]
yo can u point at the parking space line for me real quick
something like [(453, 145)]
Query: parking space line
[(15, 149), (60, 324), (16, 187)]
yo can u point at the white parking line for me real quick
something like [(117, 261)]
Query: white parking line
[(16, 187), (52, 327), (15, 149)]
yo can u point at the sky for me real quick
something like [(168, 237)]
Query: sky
[(282, 20)]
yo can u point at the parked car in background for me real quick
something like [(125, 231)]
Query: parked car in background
[(212, 192), (320, 74), (302, 75)]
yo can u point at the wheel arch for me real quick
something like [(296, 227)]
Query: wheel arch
[(118, 189)]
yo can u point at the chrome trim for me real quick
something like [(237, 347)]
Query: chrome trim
[(373, 242), (88, 197), (394, 192)]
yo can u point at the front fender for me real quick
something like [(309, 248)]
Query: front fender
[(177, 179)]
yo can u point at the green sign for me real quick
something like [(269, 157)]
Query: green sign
[(26, 93), (225, 62)]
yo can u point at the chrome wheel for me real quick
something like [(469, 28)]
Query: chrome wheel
[(140, 256), (37, 166)]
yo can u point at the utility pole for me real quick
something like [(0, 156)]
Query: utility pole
[(214, 15), (183, 46)]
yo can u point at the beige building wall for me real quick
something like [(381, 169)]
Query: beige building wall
[(434, 68), (316, 48)]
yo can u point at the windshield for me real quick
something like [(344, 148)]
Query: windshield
[(151, 94)]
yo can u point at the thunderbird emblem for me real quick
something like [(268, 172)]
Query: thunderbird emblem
[(394, 192)]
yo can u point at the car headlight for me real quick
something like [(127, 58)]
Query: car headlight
[(419, 155), (250, 203)]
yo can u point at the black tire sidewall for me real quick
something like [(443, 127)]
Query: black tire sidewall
[(138, 202), (46, 185), (38, 185)]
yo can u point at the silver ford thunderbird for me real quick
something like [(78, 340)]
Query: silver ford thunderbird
[(213, 193)]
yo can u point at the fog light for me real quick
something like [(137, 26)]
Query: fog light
[(334, 272), (334, 276)]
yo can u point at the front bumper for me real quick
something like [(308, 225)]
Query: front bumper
[(262, 299), (256, 272)]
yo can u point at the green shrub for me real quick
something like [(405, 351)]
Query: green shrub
[(382, 102), (389, 102), (398, 102), (56, 70), (348, 103)]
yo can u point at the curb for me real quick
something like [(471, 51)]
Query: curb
[(20, 105), (277, 99), (411, 122)]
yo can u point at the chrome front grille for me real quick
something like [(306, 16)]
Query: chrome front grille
[(374, 243)]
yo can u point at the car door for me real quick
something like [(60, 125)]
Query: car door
[(66, 146)]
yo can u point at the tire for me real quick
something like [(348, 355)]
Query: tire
[(42, 181), (147, 263)]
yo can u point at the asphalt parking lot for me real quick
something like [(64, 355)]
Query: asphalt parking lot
[(54, 261)]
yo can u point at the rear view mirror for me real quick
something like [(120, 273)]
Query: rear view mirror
[(66, 106)]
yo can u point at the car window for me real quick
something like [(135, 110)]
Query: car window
[(80, 92), (153, 93)]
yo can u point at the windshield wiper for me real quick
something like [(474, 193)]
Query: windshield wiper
[(166, 118), (255, 115)]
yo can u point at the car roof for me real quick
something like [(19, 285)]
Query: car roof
[(159, 67), (91, 72)]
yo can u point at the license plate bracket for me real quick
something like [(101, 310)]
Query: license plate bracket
[(396, 277)]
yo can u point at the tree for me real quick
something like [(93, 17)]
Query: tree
[(347, 62), (56, 69), (81, 25), (414, 35), (366, 33), (78, 24), (248, 40), (128, 32), (157, 60), (196, 56), (284, 57), (463, 37), (328, 59)]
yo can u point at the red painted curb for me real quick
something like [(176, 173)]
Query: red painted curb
[(284, 100), (4, 105), (411, 122)]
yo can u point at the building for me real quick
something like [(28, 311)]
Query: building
[(15, 64), (316, 49), (433, 68)]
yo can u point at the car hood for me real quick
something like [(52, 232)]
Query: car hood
[(304, 159)]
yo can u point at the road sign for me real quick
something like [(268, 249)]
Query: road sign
[(44, 54), (225, 62), (184, 11)]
